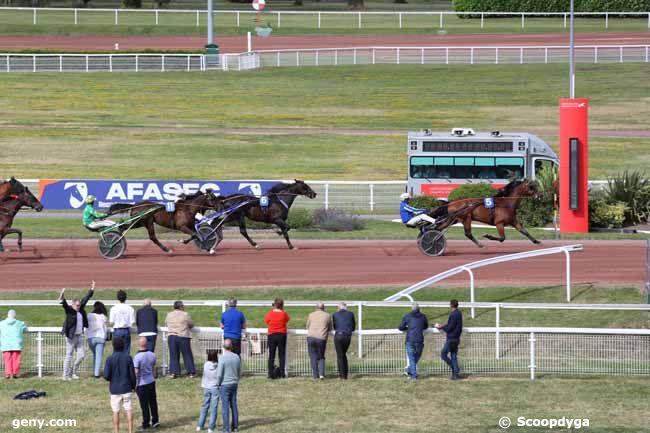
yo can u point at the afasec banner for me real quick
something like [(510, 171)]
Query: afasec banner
[(71, 193)]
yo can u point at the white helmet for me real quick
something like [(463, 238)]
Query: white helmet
[(404, 196)]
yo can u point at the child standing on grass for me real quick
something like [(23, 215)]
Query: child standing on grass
[(210, 393)]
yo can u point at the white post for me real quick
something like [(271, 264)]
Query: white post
[(279, 20), (497, 341), (440, 24), (545, 54), (336, 57), (568, 275), (521, 56), (620, 54), (136, 62), (606, 20), (116, 21), (471, 291), (372, 197), (39, 352), (595, 54), (286, 358), (327, 196), (400, 20), (317, 51), (532, 355), (156, 16), (277, 59), (34, 16), (60, 63), (163, 63), (646, 54), (110, 62), (360, 329), (188, 62), (374, 52), (86, 62), (223, 306), (398, 55), (422, 56), (164, 353), (319, 20), (565, 20), (249, 42), (34, 63), (359, 19), (237, 18), (481, 20), (297, 58), (522, 21), (354, 56), (8, 61), (75, 17), (471, 56), (496, 56), (446, 55), (197, 18)]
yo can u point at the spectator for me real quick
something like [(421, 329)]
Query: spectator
[(11, 343), (122, 381), (144, 364), (319, 324), (233, 322), (146, 320), (228, 374), (122, 316), (96, 335), (414, 323), (276, 320), (210, 393), (344, 326), (75, 322), (179, 326), (453, 328)]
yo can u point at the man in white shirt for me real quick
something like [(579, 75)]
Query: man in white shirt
[(122, 316)]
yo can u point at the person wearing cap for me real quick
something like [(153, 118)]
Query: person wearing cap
[(412, 215), (93, 219), (414, 324), (11, 343), (233, 322)]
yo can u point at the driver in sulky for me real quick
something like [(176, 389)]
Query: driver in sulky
[(410, 215)]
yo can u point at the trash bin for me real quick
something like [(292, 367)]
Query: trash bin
[(212, 57)]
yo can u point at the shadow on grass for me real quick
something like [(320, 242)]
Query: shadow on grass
[(251, 423)]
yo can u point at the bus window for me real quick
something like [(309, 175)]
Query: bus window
[(421, 167), (542, 164), (485, 168), (507, 168), (444, 168)]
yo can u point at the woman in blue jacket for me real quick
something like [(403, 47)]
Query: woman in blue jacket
[(11, 343)]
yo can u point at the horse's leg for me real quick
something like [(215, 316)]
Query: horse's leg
[(20, 237), (467, 225), (284, 228), (242, 229), (520, 228), (500, 230), (152, 236), (2, 235)]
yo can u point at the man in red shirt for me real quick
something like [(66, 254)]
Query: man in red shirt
[(277, 320)]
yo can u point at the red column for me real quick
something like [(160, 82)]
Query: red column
[(574, 210)]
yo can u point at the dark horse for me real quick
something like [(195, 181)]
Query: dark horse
[(181, 219), (280, 196), (9, 207), (11, 186), (506, 202)]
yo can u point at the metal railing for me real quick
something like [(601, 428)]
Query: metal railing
[(101, 62), (469, 267), (523, 351), (304, 19), (443, 55)]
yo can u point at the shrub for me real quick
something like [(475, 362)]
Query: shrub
[(472, 190), (424, 202), (633, 189), (551, 5), (336, 220), (132, 4), (537, 212), (604, 214)]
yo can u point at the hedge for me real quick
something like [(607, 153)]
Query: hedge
[(551, 5)]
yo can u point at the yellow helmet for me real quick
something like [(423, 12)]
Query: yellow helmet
[(90, 199)]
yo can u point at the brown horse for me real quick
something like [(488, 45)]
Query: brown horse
[(181, 219), (10, 186), (9, 207), (504, 213)]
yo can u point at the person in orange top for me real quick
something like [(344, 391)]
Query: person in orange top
[(277, 320)]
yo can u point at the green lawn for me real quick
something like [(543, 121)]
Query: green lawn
[(376, 317), (328, 122), (432, 405)]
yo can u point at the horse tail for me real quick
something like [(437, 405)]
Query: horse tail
[(119, 208)]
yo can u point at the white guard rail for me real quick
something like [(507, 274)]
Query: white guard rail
[(297, 19), (528, 351), (491, 261)]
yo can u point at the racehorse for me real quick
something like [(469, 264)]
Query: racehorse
[(280, 199), (181, 219), (10, 186), (9, 207), (504, 213)]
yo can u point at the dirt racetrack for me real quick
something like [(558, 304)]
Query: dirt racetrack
[(237, 44), (48, 264)]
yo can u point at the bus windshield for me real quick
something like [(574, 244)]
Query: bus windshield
[(465, 167)]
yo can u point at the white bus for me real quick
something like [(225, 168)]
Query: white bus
[(439, 162)]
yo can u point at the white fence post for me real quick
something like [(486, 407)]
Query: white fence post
[(156, 16), (606, 20), (110, 62), (34, 20), (497, 341), (595, 54), (372, 197), (86, 62), (165, 357), (398, 55), (75, 17), (523, 25), (568, 275), (532, 355), (471, 291), (359, 21), (9, 67), (496, 56), (565, 20), (471, 56), (319, 19), (34, 63), (60, 63), (620, 54), (360, 329), (163, 63), (545, 55), (336, 57), (279, 20), (482, 20), (374, 53), (521, 56), (316, 56), (446, 55), (354, 56), (400, 20), (440, 24), (137, 58), (197, 18), (116, 20), (422, 56), (297, 58), (39, 353), (327, 196)]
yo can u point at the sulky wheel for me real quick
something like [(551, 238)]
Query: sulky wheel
[(207, 238), (432, 243), (112, 245)]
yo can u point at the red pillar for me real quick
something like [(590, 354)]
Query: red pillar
[(574, 195)]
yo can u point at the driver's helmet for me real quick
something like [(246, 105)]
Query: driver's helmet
[(404, 196), (90, 199)]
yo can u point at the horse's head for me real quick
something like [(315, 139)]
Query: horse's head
[(211, 200), (28, 199), (524, 188), (16, 186), (301, 188)]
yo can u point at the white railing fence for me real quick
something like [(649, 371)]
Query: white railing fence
[(523, 351), (308, 19), (455, 55)]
